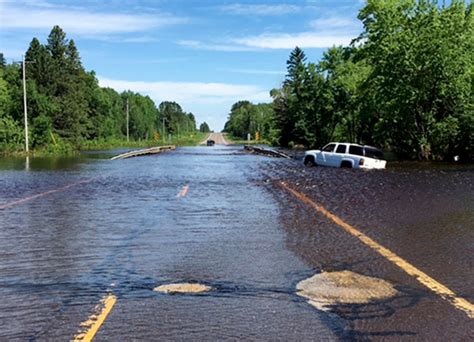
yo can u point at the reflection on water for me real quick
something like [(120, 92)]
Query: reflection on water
[(41, 163)]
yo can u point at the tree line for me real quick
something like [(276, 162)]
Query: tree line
[(404, 84), (67, 107)]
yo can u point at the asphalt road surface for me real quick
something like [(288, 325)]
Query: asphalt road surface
[(218, 138)]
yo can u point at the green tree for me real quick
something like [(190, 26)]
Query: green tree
[(3, 62), (5, 99), (57, 44), (422, 57), (73, 58), (286, 120), (204, 128)]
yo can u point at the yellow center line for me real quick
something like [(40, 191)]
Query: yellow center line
[(94, 322), (435, 286)]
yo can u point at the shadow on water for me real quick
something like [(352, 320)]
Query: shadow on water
[(42, 163)]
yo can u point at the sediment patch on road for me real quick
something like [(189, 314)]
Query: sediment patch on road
[(183, 288), (330, 288)]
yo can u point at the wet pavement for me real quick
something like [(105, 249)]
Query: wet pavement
[(216, 216)]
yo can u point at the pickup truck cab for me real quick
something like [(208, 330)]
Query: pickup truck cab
[(346, 155)]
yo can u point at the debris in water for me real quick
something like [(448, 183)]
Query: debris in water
[(183, 288), (266, 152), (345, 287)]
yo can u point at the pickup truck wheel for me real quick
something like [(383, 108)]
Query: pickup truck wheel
[(309, 161), (346, 164)]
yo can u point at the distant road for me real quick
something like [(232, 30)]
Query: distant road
[(217, 137)]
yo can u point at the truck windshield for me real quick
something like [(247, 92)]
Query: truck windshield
[(329, 148)]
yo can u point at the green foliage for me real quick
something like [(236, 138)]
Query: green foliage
[(248, 118), (41, 131), (5, 99), (422, 57), (173, 120), (406, 84), (3, 62), (11, 134), (67, 108), (204, 128)]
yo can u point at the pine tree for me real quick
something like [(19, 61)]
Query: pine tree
[(40, 68), (72, 55), (3, 62), (57, 43)]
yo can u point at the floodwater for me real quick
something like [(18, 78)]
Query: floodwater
[(74, 230)]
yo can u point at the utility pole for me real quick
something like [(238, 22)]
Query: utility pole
[(128, 123), (24, 106)]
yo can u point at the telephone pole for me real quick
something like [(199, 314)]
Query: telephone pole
[(128, 123), (24, 106)]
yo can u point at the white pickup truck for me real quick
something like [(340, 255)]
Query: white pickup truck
[(346, 155)]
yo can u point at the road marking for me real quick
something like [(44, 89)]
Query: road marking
[(435, 286), (93, 324), (183, 191), (49, 192)]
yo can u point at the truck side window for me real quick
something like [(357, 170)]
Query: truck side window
[(341, 149), (329, 148), (356, 150)]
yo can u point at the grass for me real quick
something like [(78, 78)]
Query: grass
[(182, 140), (105, 144)]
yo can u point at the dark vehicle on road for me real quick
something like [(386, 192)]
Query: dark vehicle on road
[(210, 142)]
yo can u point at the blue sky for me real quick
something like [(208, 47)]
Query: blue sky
[(203, 54)]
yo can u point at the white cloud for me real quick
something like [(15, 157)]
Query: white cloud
[(316, 39), (208, 101), (260, 10), (196, 92), (255, 71), (198, 45), (289, 41), (82, 22), (339, 23)]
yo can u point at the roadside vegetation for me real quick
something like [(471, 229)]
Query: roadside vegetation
[(68, 110), (404, 84)]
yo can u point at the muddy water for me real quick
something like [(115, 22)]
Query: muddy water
[(423, 213), (214, 216), (128, 228)]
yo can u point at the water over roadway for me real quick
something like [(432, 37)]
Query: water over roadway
[(125, 227)]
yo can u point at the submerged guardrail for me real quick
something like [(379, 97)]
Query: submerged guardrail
[(144, 152), (265, 152)]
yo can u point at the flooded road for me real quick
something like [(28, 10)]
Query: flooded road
[(74, 231)]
